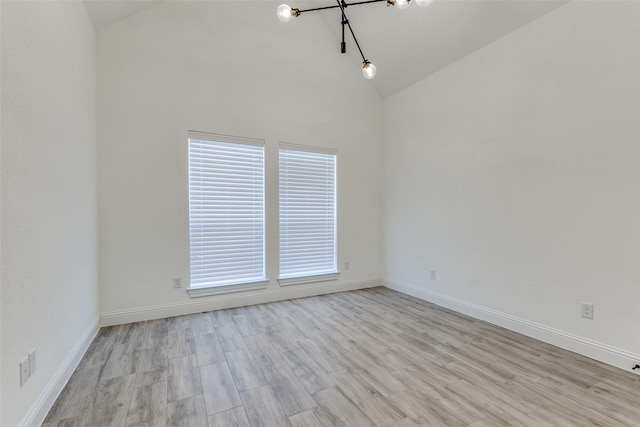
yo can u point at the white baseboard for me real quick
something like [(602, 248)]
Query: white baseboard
[(47, 398), (586, 347), (238, 299)]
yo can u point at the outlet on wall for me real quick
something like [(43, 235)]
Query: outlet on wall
[(177, 282), (24, 370), (346, 266), (433, 275), (587, 310)]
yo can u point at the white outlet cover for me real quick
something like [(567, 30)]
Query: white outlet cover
[(24, 370), (587, 310)]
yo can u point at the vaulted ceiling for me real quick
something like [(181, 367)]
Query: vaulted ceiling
[(405, 45)]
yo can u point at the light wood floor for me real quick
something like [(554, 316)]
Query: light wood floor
[(365, 358)]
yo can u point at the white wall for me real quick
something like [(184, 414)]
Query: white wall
[(49, 204), (515, 174), (222, 67), (1, 122)]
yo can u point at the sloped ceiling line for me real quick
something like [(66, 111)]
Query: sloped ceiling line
[(406, 45)]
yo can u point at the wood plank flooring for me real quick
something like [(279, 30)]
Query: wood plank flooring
[(364, 358)]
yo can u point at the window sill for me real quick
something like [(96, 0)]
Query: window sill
[(308, 279), (226, 289)]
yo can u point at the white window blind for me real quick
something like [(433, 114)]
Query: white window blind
[(226, 210), (307, 213)]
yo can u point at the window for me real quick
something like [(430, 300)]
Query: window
[(226, 213), (307, 214)]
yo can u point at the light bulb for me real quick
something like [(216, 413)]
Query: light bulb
[(284, 13), (402, 4), (368, 70), (424, 2)]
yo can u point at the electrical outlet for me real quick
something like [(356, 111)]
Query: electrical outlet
[(433, 275), (32, 363), (24, 371), (177, 282), (346, 266), (587, 310)]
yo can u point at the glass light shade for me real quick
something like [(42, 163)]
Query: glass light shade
[(284, 13), (402, 4), (368, 70), (424, 2)]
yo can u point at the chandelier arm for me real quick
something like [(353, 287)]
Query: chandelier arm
[(346, 21), (336, 6), (343, 44)]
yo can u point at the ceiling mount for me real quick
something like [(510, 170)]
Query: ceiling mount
[(286, 12)]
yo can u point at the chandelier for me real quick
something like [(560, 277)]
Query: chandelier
[(286, 12)]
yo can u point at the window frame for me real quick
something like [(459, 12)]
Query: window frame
[(249, 284), (309, 278)]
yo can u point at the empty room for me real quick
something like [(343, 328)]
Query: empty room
[(321, 213)]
